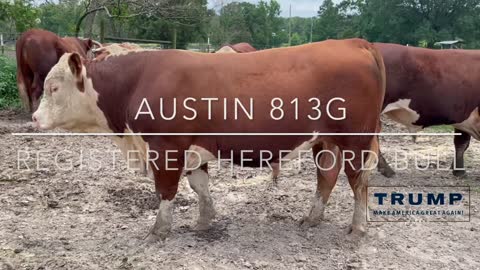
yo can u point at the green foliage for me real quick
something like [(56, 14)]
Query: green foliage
[(159, 28), (8, 84), (414, 22), (401, 21), (330, 21), (259, 24), (60, 17), (19, 15)]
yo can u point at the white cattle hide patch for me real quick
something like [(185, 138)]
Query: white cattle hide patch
[(401, 112), (197, 156), (471, 125), (303, 147), (70, 109), (105, 52), (134, 150)]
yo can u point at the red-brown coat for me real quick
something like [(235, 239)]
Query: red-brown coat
[(433, 87), (37, 52), (107, 96)]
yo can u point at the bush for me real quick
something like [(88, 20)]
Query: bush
[(8, 84)]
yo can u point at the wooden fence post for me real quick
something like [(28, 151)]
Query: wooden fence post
[(1, 43), (174, 37)]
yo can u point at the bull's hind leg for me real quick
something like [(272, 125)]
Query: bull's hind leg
[(358, 175), (384, 168), (328, 163), (461, 145), (198, 180)]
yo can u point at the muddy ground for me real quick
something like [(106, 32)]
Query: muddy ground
[(96, 218)]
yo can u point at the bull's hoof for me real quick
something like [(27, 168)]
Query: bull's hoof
[(152, 238), (387, 172), (204, 222), (460, 173), (202, 226), (307, 222), (275, 180), (273, 185), (356, 231)]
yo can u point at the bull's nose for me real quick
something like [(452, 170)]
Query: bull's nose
[(34, 119)]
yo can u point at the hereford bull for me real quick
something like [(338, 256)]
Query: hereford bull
[(433, 87), (37, 51), (111, 96), (237, 48)]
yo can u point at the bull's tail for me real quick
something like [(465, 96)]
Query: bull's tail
[(374, 144), (381, 68), (21, 83)]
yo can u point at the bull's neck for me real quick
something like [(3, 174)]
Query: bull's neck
[(114, 80)]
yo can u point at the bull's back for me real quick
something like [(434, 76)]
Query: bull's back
[(287, 70), (350, 70)]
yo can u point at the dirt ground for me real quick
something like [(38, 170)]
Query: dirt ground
[(96, 218)]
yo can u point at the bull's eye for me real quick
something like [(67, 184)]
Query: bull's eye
[(54, 89)]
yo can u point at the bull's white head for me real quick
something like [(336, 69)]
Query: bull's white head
[(69, 100)]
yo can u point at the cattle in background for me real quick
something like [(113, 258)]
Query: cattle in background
[(237, 48), (433, 87), (37, 51), (105, 96), (114, 49)]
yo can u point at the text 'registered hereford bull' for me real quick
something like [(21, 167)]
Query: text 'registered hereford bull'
[(37, 51), (433, 87), (105, 96)]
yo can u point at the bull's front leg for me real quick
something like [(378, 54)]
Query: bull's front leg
[(461, 145), (167, 177), (198, 180), (163, 222), (326, 180)]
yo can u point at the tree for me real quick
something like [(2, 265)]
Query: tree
[(179, 11), (234, 23), (18, 15), (258, 24), (412, 21), (330, 21), (60, 17)]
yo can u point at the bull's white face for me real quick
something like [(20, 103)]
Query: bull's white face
[(69, 100)]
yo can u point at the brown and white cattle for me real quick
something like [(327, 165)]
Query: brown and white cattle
[(111, 96), (37, 51), (433, 87)]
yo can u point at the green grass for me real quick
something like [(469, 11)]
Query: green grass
[(439, 129), (8, 84)]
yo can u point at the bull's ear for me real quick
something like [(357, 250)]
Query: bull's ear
[(89, 44), (75, 64)]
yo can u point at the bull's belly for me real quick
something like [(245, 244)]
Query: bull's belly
[(402, 113), (255, 152)]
